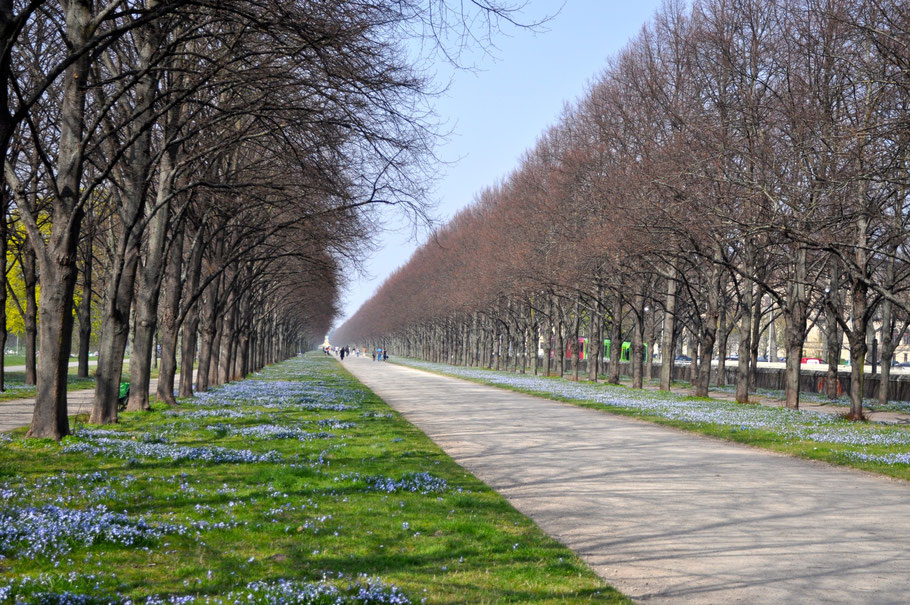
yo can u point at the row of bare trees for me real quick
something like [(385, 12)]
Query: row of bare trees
[(738, 156), (196, 172)]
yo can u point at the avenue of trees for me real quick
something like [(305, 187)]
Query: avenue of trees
[(739, 161), (195, 177)]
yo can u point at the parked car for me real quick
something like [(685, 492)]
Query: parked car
[(762, 358), (683, 359), (733, 358), (812, 361)]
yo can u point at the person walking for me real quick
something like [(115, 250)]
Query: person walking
[(341, 353)]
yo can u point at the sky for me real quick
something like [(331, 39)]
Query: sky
[(497, 111)]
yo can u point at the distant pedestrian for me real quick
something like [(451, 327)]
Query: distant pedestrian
[(374, 355), (341, 353), (385, 355)]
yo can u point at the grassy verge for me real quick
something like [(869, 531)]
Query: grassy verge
[(285, 488), (883, 449)]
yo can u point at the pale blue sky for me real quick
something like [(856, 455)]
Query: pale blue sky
[(497, 112)]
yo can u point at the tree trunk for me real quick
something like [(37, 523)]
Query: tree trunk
[(706, 346), (755, 337), (560, 342), (615, 338), (150, 276), (4, 246), (191, 322), (888, 342), (207, 336), (576, 353), (85, 310), (148, 290), (745, 343), (857, 374), (638, 335), (548, 339), (115, 328), (667, 346), (227, 340), (857, 334), (55, 332), (30, 277), (772, 339), (57, 257), (694, 354), (651, 329), (595, 343), (833, 336), (169, 308), (796, 317), (723, 333)]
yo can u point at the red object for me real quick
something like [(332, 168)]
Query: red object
[(811, 360)]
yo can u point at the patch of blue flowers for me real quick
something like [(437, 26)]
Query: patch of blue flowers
[(64, 589), (51, 530), (216, 413), (122, 448), (363, 590), (273, 431), (83, 589), (901, 458), (423, 483), (281, 395), (334, 423)]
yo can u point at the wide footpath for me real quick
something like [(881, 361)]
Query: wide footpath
[(663, 515)]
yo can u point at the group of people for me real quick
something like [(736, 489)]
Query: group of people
[(379, 354)]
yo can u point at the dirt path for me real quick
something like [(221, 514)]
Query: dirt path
[(663, 515)]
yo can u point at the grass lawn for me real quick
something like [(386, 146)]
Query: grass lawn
[(883, 449), (296, 486), (18, 359), (12, 359)]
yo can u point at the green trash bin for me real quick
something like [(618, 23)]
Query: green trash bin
[(124, 395)]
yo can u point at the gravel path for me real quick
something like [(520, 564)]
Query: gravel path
[(662, 515)]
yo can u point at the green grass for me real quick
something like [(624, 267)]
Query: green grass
[(771, 428), (13, 359), (18, 359), (309, 516)]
